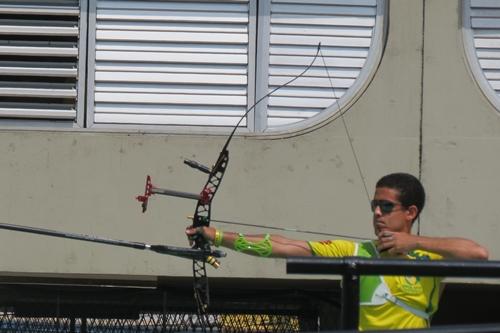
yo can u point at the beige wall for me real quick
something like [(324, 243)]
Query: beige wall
[(85, 182)]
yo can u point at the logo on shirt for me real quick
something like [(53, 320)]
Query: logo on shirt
[(410, 284)]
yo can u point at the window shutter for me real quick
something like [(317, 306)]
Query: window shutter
[(38, 59), (347, 32), (482, 42), (176, 63)]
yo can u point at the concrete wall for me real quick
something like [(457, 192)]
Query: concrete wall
[(436, 122)]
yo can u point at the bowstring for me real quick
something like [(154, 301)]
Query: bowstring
[(349, 137)]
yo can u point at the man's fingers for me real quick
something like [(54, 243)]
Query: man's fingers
[(384, 245), (386, 235)]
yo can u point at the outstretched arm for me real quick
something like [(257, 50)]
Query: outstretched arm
[(448, 247), (272, 245)]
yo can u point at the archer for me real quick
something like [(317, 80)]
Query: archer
[(386, 302)]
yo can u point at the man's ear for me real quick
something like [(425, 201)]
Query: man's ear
[(412, 212)]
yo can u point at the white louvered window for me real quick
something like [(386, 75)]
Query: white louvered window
[(185, 65), (347, 31), (174, 63), (39, 45), (481, 27), (201, 64)]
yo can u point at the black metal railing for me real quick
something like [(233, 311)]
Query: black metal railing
[(351, 268)]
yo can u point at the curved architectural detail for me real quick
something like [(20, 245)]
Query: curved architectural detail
[(481, 33)]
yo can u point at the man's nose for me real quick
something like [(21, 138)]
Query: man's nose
[(377, 211)]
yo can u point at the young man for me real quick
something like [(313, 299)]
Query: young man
[(386, 302)]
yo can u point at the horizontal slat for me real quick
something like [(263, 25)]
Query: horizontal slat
[(298, 113), (38, 71), (319, 71), (286, 29), (326, 51), (212, 6), (37, 113), (492, 74), (144, 15), (323, 20), (314, 40), (39, 10), (487, 33), (38, 51), (170, 68), (488, 23), (311, 9), (485, 3), (170, 99), (172, 57), (39, 27), (166, 120), (276, 122), (333, 2), (495, 84), (301, 102), (172, 47), (304, 61), (173, 26), (32, 92), (171, 89), (165, 109), (486, 43), (489, 63), (172, 37), (485, 12), (327, 92), (171, 78), (311, 82), (488, 53), (37, 30)]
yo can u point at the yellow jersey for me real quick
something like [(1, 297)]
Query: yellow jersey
[(421, 293)]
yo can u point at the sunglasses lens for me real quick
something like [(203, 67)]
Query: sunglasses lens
[(385, 206)]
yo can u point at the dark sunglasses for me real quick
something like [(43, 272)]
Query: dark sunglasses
[(385, 206)]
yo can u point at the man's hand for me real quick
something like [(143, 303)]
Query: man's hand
[(207, 233), (396, 243)]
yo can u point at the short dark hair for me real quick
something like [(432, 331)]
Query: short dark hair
[(411, 191)]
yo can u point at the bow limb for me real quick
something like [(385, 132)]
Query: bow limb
[(202, 218), (202, 212)]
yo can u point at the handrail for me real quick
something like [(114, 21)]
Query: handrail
[(352, 267)]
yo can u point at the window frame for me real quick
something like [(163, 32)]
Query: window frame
[(472, 58)]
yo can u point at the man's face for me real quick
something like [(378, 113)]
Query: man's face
[(389, 214)]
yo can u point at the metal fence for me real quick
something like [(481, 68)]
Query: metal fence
[(33, 307), (152, 322)]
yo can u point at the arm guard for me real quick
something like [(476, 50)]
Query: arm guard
[(263, 248)]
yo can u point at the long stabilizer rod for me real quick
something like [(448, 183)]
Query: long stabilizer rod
[(163, 249)]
